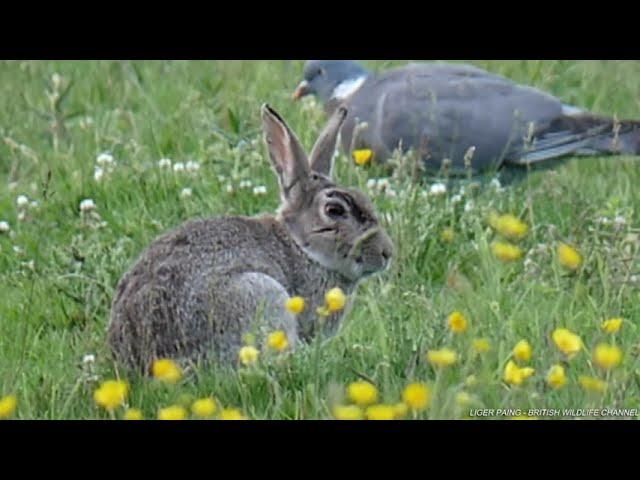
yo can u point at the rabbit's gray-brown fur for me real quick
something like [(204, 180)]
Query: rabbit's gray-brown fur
[(197, 289)]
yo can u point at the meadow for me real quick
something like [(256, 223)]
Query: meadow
[(99, 157)]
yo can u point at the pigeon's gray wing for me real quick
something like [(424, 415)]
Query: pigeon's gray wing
[(445, 109)]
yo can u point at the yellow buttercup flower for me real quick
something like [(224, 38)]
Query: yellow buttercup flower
[(362, 393), (506, 252), (508, 225), (457, 322), (607, 356), (442, 358), (248, 355), (471, 381), (166, 370), (347, 412), (335, 299), (204, 407), (278, 340), (612, 325), (522, 351), (515, 375), (463, 399), (526, 372), (295, 305), (447, 235), (381, 412), (401, 410), (363, 156), (567, 342), (8, 405), (512, 373), (592, 384), (111, 394), (481, 345), (133, 414), (417, 396), (569, 257), (174, 412), (231, 414), (556, 376)]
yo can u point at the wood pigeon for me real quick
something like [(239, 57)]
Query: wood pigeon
[(460, 113)]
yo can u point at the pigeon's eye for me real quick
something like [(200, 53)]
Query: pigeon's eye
[(334, 210)]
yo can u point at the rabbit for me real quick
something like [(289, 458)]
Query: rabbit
[(197, 290)]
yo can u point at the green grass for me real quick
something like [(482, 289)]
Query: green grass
[(56, 293)]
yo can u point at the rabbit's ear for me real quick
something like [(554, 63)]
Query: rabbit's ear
[(287, 155), (321, 158)]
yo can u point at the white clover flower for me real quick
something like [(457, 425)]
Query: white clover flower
[(164, 163), (56, 79), (245, 184), (540, 248), (259, 190), (186, 192), (98, 173), (383, 184), (221, 178), (309, 103), (457, 198), (469, 206), (178, 167), (34, 204), (620, 221), (371, 183), (390, 192), (192, 166), (18, 250), (437, 189), (4, 226), (22, 216), (22, 201), (87, 205), (88, 358), (229, 188), (104, 159)]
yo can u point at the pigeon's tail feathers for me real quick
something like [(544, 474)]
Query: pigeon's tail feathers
[(580, 135)]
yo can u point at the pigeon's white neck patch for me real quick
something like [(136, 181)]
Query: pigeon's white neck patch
[(570, 110), (348, 87)]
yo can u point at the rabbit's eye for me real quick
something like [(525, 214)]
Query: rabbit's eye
[(334, 210)]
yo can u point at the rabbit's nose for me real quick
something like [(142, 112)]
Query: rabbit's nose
[(386, 252)]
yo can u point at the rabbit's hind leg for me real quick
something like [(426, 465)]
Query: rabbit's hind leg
[(251, 303)]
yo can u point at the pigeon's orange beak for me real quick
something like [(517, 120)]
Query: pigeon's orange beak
[(302, 89)]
